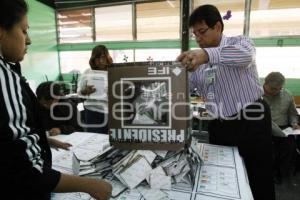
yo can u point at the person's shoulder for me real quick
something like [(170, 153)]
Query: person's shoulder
[(3, 63), (239, 38), (287, 93), (87, 71)]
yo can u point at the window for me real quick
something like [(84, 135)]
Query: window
[(78, 61), (74, 61), (283, 59), (142, 55), (158, 20), (121, 56), (235, 24), (275, 18), (74, 26), (113, 23)]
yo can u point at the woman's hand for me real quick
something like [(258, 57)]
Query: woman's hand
[(89, 89), (295, 126), (100, 190), (58, 144), (54, 131)]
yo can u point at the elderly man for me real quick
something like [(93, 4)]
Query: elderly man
[(284, 114)]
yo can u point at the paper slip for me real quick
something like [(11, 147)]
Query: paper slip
[(218, 180), (175, 195), (136, 172), (75, 165), (179, 177), (71, 196), (130, 195), (161, 153), (160, 181), (149, 155), (123, 162), (86, 172), (63, 160), (290, 131), (152, 194), (85, 155), (118, 188), (99, 81), (177, 168), (157, 170)]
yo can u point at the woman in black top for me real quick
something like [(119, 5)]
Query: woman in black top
[(25, 154)]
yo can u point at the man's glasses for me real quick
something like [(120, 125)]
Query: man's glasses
[(200, 33)]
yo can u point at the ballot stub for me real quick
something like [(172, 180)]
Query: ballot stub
[(148, 105)]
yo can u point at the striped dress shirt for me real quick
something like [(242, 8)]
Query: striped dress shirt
[(229, 81)]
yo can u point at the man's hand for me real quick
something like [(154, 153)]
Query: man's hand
[(193, 58), (54, 131)]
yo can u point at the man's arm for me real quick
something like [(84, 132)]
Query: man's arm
[(239, 53), (293, 114)]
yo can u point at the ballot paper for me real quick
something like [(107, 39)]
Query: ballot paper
[(161, 153), (157, 170), (136, 172), (130, 195), (219, 180), (149, 155), (142, 175), (290, 131), (99, 81), (152, 194), (117, 187), (160, 181), (214, 154), (71, 196), (75, 164)]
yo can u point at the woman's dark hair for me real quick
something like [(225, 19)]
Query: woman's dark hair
[(11, 12), (207, 13), (97, 52), (48, 90)]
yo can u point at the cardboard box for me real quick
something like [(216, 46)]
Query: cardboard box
[(148, 106)]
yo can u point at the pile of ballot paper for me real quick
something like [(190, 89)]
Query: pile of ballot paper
[(159, 169), (200, 170)]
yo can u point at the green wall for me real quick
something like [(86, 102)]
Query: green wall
[(42, 57)]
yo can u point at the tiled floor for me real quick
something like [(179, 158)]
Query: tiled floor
[(289, 189)]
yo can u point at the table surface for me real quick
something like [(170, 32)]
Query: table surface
[(220, 176)]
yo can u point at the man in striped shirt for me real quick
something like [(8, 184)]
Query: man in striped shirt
[(225, 74)]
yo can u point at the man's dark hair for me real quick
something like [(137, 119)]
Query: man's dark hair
[(48, 90), (208, 14), (274, 79), (11, 12)]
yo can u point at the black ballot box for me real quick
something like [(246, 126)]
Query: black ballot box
[(148, 106)]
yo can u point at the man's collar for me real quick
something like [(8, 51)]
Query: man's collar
[(223, 40)]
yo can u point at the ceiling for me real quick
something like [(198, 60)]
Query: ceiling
[(66, 4)]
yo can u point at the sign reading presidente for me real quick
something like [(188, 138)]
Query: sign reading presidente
[(148, 105)]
